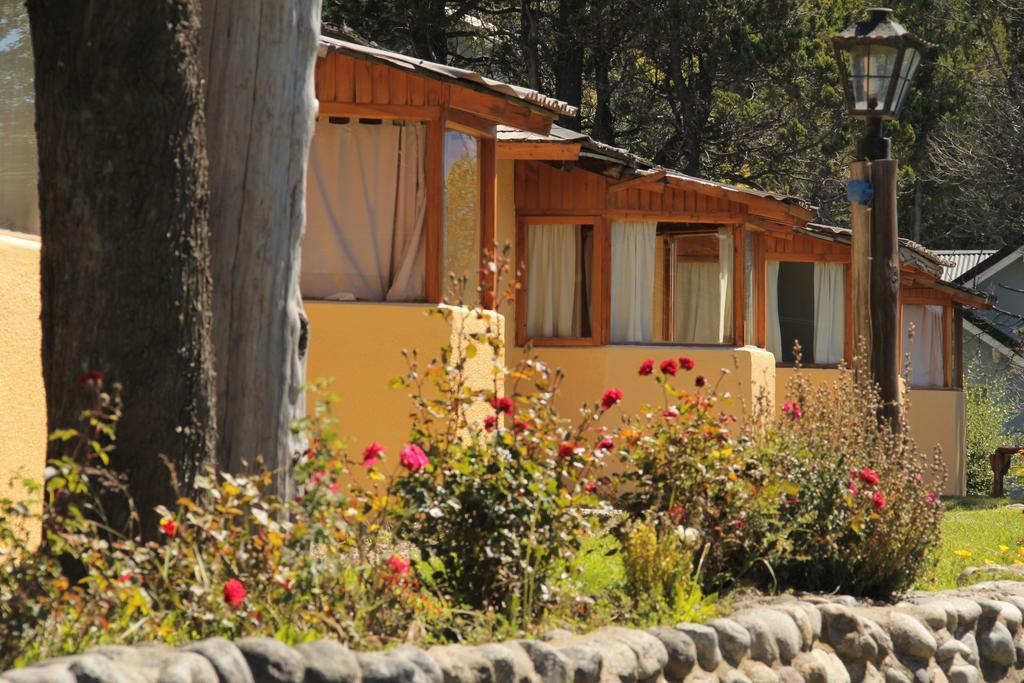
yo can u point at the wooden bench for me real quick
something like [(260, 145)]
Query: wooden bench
[(1000, 461)]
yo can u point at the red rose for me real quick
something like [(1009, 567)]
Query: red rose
[(490, 422), (503, 405), (168, 526), (869, 476), (372, 453), (605, 444), (700, 381), (125, 578), (853, 489), (520, 425), (234, 593), (610, 398), (592, 486), (793, 410), (686, 363), (399, 565), (566, 449), (670, 412), (87, 378), (646, 368), (669, 367), (676, 512), (878, 500)]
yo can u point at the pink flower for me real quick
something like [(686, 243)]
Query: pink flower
[(399, 565), (592, 486), (168, 526), (700, 381), (503, 405), (932, 498), (413, 458), (793, 410), (878, 500), (566, 449), (686, 363), (490, 422), (669, 367), (372, 453), (234, 593), (610, 398), (605, 444), (646, 368), (334, 487), (852, 488), (869, 476)]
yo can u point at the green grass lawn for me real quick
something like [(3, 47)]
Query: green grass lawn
[(976, 524), (979, 526)]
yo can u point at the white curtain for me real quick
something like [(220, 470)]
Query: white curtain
[(702, 297), (829, 312), (773, 328), (925, 349), (552, 309), (365, 211), (632, 304)]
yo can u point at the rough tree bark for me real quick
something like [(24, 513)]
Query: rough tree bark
[(568, 66), (123, 206), (258, 56)]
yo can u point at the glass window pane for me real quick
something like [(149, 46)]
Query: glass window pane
[(559, 280), (19, 203), (796, 310), (461, 241), (748, 287), (702, 288)]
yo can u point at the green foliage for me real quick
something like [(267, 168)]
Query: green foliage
[(682, 464), (500, 510), (866, 517), (661, 580), (991, 405)]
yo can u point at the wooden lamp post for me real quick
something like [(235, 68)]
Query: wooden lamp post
[(878, 59)]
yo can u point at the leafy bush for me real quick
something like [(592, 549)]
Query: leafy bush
[(232, 561), (991, 405), (682, 464), (499, 509), (866, 517)]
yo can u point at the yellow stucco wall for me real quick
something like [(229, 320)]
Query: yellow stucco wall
[(22, 398), (360, 345)]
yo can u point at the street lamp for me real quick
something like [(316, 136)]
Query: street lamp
[(878, 59)]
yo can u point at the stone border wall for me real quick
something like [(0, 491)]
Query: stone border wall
[(960, 636)]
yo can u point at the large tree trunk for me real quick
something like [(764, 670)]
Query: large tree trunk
[(568, 65), (259, 57), (123, 206)]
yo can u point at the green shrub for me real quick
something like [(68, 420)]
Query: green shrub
[(991, 404), (232, 561), (866, 516), (682, 465), (499, 510)]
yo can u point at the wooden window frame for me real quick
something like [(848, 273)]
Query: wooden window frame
[(600, 291), (783, 257)]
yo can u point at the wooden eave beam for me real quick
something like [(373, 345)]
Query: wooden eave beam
[(650, 182), (500, 110), (539, 151)]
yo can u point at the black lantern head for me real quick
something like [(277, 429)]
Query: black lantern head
[(878, 59)]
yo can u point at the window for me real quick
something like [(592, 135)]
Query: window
[(694, 285), (634, 251), (462, 214), (560, 280), (19, 203), (926, 350), (365, 211), (805, 303)]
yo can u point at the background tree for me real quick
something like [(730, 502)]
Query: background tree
[(123, 205), (258, 58)]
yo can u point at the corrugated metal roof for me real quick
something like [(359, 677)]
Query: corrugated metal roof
[(962, 260), (435, 70)]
